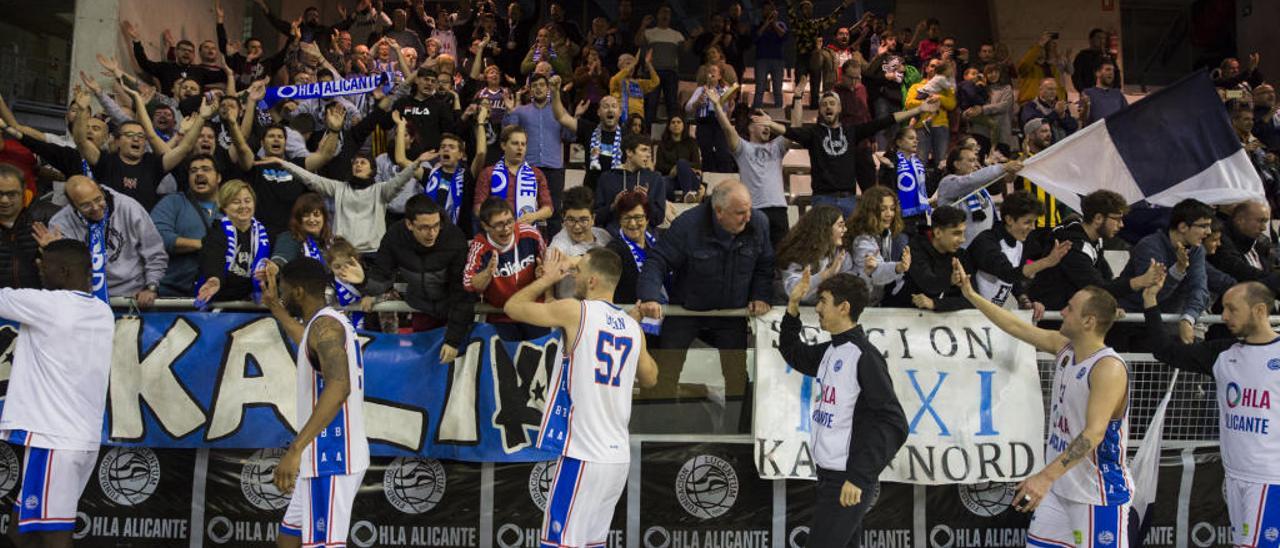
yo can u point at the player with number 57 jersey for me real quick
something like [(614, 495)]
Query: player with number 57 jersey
[(586, 417)]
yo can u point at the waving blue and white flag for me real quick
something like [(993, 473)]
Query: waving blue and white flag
[(1177, 143)]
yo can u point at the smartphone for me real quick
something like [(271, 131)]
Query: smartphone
[(1053, 35)]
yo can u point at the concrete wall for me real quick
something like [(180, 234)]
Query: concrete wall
[(97, 28), (1018, 23), (1256, 31)]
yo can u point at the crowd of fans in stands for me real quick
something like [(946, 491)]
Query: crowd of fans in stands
[(443, 187)]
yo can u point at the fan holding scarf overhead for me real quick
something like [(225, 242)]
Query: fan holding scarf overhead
[(630, 90)]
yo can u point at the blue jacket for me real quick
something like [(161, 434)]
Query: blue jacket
[(1185, 293), (711, 269), (178, 216)]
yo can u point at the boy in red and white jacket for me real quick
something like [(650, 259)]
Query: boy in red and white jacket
[(503, 258)]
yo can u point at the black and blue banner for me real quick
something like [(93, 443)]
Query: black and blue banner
[(226, 381)]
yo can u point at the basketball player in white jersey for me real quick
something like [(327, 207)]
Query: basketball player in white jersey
[(1246, 368), (57, 392), (326, 461), (1081, 496), (587, 415)]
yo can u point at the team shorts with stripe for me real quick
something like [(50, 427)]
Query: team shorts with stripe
[(52, 482), (320, 509), (580, 507), (1061, 523), (1255, 513)]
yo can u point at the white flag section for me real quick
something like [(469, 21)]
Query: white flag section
[(1175, 144), (1145, 464), (971, 394)]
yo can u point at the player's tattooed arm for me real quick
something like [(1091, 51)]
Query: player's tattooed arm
[(1078, 449), (328, 342)]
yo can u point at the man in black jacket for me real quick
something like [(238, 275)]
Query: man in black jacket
[(18, 248), (1102, 217), (928, 283), (848, 470), (428, 254), (1243, 255), (719, 257)]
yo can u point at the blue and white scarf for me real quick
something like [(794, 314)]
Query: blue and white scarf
[(453, 201), (630, 88), (526, 186), (98, 232), (359, 85), (261, 250), (551, 54), (613, 150), (346, 293), (638, 254), (706, 110), (911, 186)]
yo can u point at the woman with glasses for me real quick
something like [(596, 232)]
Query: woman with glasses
[(815, 244), (633, 242), (235, 249)]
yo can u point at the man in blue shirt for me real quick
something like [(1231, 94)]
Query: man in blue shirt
[(1104, 99), (1186, 290), (546, 140), (769, 38), (182, 220)]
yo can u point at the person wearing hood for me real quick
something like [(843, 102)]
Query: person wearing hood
[(131, 247), (1083, 266), (428, 254), (831, 145), (999, 258)]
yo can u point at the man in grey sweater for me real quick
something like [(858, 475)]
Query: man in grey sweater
[(965, 187), (136, 259)]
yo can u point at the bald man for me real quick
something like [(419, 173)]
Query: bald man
[(1246, 368), (603, 141), (1244, 254), (719, 257), (128, 253)]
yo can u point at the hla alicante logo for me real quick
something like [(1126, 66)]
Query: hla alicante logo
[(129, 475), (540, 479), (987, 499), (257, 480), (706, 486), (9, 469), (414, 485)]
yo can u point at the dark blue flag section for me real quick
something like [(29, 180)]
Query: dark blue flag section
[(226, 381)]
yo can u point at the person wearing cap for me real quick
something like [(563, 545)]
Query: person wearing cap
[(1039, 136)]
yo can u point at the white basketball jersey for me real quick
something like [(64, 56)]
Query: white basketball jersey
[(589, 411), (341, 448), (1103, 478), (61, 366), (1248, 378), (994, 289)]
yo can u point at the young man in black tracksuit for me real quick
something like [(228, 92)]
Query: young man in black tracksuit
[(858, 424), (427, 253)]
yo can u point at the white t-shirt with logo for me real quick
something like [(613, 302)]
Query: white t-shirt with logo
[(760, 166)]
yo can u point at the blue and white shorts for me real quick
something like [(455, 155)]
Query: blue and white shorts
[(52, 482), (1061, 523), (1255, 513), (581, 503), (320, 509)]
